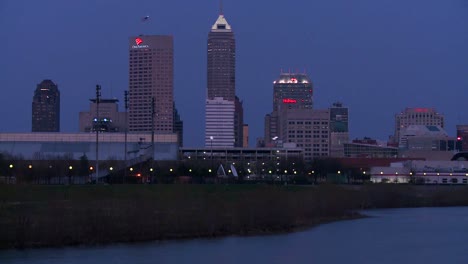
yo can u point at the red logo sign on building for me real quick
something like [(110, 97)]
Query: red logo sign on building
[(138, 41), (289, 101)]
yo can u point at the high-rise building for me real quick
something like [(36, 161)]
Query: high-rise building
[(290, 91), (110, 119), (238, 123), (339, 131), (46, 108), (151, 84), (224, 111), (245, 136), (416, 116), (221, 64), (178, 127)]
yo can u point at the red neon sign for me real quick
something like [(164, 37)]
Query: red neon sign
[(138, 41), (289, 101), (422, 110)]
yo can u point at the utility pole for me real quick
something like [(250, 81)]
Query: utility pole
[(126, 131), (153, 112), (97, 128)]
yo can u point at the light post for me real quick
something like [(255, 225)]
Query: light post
[(90, 173), (126, 132), (152, 126), (151, 175), (31, 176), (11, 172), (97, 128), (70, 170)]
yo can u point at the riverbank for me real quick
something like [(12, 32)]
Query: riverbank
[(44, 216)]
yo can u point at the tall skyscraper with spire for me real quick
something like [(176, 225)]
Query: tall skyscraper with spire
[(223, 110), (221, 61)]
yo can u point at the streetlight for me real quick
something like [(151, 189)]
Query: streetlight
[(11, 173), (31, 174), (70, 169), (211, 151)]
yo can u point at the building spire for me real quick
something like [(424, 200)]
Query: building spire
[(221, 7)]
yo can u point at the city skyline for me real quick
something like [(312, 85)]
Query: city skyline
[(376, 69)]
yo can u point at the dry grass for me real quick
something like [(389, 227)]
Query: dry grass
[(39, 216)]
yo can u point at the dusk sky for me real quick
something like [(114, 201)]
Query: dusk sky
[(377, 57)]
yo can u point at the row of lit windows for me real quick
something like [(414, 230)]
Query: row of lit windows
[(307, 131), (306, 122)]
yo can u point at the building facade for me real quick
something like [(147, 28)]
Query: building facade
[(416, 116), (339, 130), (178, 127), (462, 135), (238, 123), (110, 119), (46, 108), (245, 136), (307, 129), (151, 84), (219, 129)]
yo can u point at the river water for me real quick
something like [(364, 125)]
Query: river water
[(422, 235)]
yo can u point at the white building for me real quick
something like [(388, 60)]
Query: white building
[(422, 172), (219, 129)]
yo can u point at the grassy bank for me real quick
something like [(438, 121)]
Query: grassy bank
[(33, 216)]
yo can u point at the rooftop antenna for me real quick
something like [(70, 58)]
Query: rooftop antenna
[(221, 7)]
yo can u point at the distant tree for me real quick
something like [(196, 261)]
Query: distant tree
[(84, 166)]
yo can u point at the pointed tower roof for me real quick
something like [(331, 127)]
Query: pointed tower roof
[(221, 24)]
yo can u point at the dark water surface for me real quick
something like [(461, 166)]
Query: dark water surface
[(422, 235)]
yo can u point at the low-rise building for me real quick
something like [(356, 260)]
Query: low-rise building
[(369, 148), (109, 120), (111, 146)]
